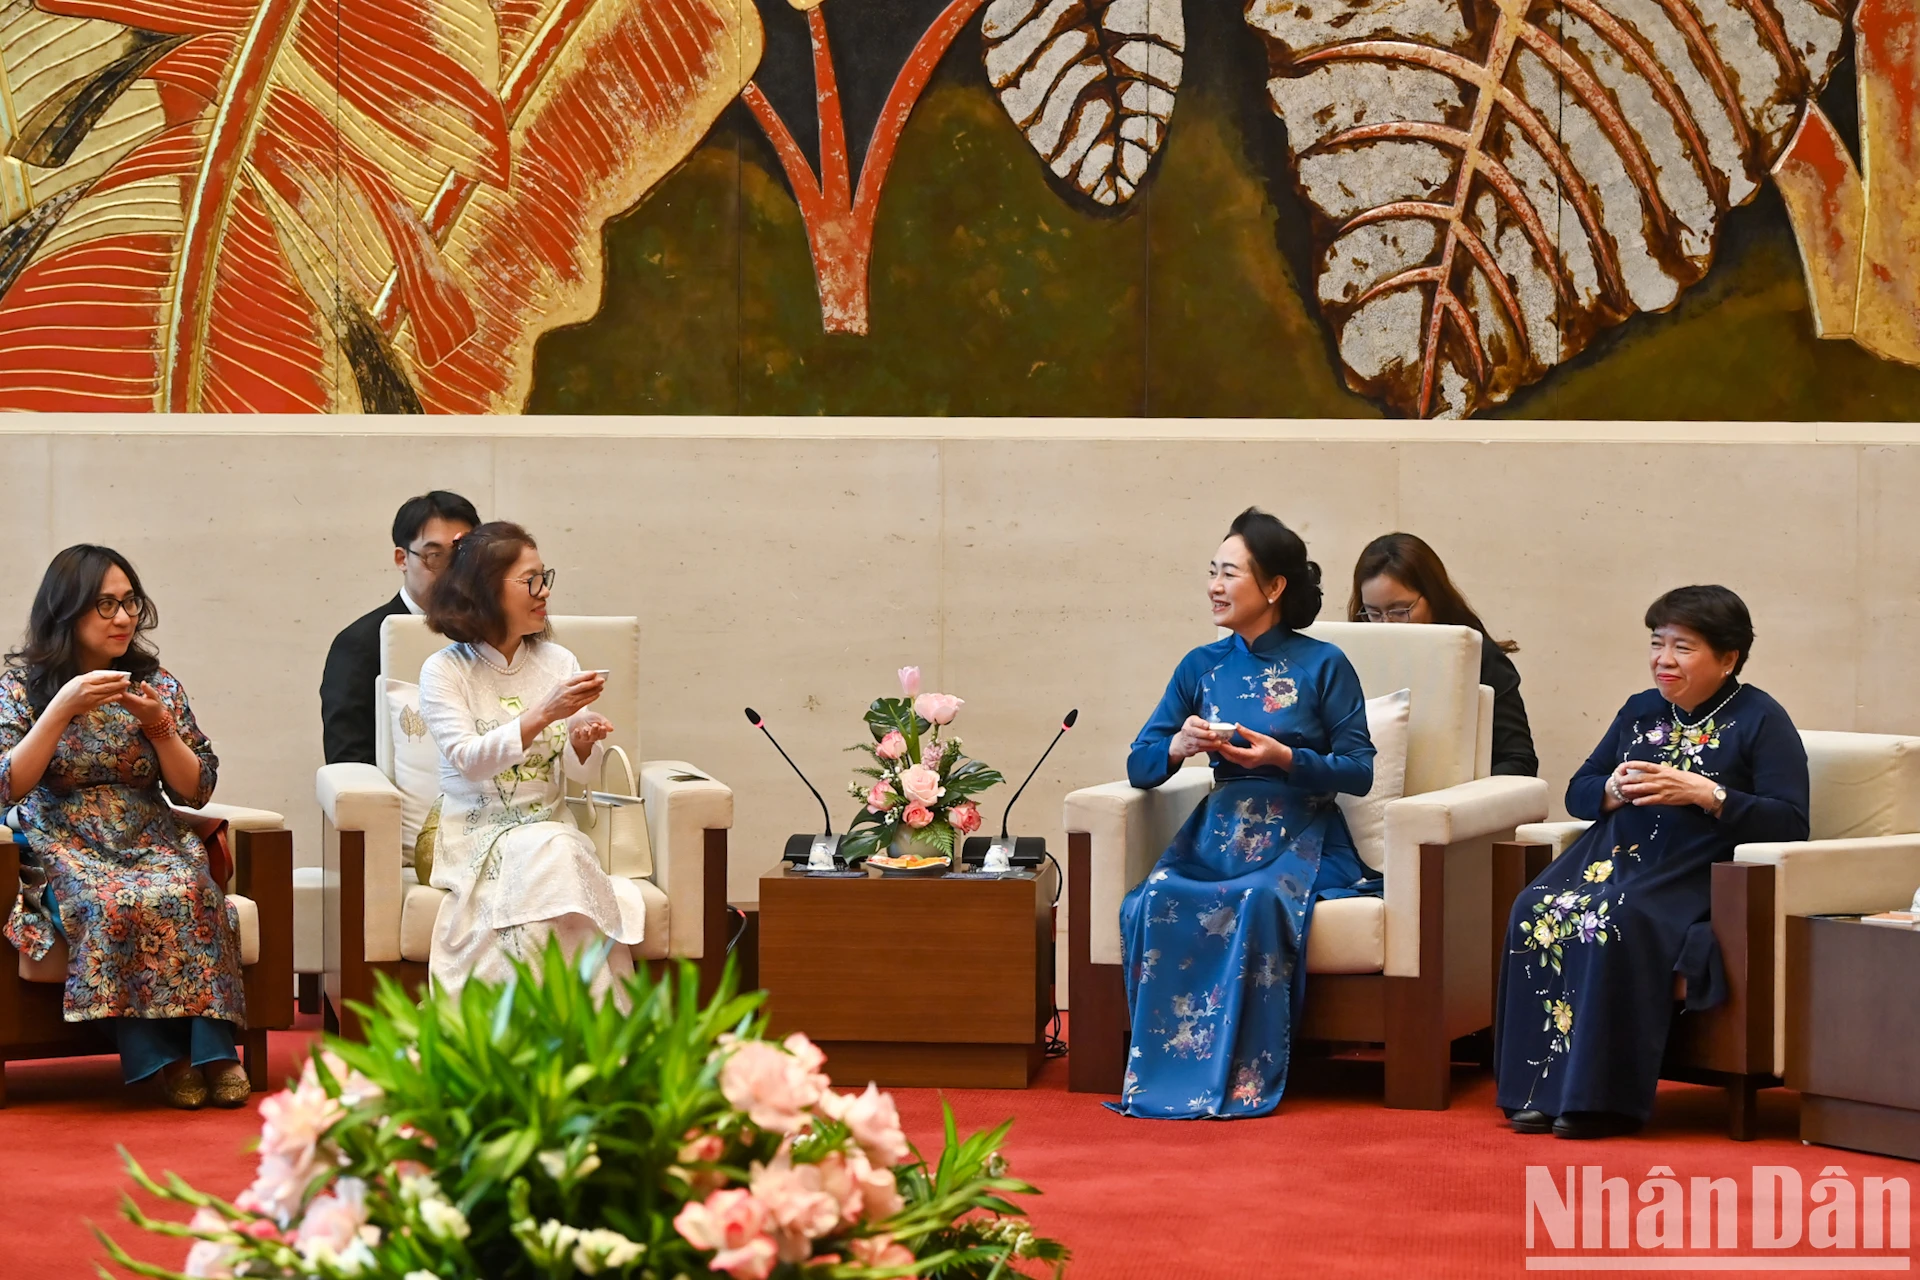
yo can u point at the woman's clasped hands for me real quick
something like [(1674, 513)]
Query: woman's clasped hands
[(1643, 782), (1197, 737), (92, 689)]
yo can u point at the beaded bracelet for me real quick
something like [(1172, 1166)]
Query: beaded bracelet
[(158, 732)]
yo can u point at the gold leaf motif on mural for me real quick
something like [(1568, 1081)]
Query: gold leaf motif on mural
[(1495, 182)]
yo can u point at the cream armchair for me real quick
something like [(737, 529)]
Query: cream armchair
[(1413, 969), (378, 917), (32, 1022), (1864, 856)]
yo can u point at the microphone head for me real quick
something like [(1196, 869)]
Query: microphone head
[(1071, 717), (753, 717)]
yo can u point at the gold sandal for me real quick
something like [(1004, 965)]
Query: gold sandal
[(230, 1086), (184, 1088)]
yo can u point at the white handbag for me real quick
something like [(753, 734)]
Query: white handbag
[(616, 821)]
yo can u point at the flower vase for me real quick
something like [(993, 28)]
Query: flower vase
[(906, 844)]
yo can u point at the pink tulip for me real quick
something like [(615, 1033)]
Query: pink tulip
[(920, 785), (938, 707), (965, 817), (917, 816), (909, 681), (891, 747), (879, 799)]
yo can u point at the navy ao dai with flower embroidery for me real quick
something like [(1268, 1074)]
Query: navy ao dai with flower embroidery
[(1593, 944), (1215, 937)]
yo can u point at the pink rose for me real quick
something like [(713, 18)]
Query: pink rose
[(872, 1119), (920, 784), (938, 707), (774, 1086), (965, 817), (879, 799), (880, 1251), (892, 747), (800, 1206), (909, 681), (733, 1225), (917, 816)]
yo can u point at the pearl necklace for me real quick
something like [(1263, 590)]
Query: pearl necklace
[(1679, 723), (481, 651)]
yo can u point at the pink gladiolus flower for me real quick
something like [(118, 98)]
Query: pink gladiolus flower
[(733, 1224), (940, 708), (920, 784), (917, 816), (965, 817), (775, 1087), (910, 681), (335, 1224), (879, 799), (873, 1120), (210, 1258), (892, 747), (880, 1251)]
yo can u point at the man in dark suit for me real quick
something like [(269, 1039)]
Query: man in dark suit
[(424, 531)]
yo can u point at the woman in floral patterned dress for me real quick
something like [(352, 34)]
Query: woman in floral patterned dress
[(1689, 769), (97, 738), (508, 709), (1215, 937)]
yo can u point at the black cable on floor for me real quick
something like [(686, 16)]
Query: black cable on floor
[(739, 931)]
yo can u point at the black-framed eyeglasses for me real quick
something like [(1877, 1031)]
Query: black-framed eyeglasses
[(1397, 613), (538, 584), (431, 559), (107, 606)]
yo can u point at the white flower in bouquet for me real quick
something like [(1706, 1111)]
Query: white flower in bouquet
[(603, 1250), (443, 1219)]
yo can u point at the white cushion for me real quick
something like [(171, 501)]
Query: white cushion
[(1348, 935), (1367, 815), (309, 920), (1441, 665), (1863, 784), (416, 760), (653, 943), (419, 908)]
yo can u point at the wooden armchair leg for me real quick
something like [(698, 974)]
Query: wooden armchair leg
[(715, 927), (253, 1055), (1098, 1035), (308, 997), (1419, 1054), (1743, 1095)]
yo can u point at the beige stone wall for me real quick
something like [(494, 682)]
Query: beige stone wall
[(795, 571)]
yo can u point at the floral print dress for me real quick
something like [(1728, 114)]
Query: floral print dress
[(1216, 936), (149, 933), (1593, 944)]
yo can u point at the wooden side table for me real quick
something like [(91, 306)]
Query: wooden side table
[(912, 982), (1853, 1033)]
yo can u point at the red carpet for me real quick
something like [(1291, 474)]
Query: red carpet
[(1333, 1185)]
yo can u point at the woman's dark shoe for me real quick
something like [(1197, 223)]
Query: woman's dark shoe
[(1530, 1121), (1594, 1124)]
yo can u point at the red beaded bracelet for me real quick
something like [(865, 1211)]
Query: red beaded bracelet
[(158, 732)]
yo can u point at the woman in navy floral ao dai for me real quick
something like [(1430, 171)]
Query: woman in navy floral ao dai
[(1215, 937), (1687, 771)]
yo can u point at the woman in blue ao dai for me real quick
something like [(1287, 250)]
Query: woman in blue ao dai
[(1215, 937)]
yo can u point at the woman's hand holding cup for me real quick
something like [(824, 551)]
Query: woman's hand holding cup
[(574, 693), (86, 691), (1195, 737)]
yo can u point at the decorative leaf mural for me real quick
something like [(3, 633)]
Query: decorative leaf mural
[(1090, 83), (1496, 181), (328, 205)]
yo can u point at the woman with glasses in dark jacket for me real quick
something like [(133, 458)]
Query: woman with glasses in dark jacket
[(97, 738), (1398, 578)]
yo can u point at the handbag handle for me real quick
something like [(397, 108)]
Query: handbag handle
[(626, 766)]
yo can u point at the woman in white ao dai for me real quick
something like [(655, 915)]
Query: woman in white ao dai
[(510, 715)]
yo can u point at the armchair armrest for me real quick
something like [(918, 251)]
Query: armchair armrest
[(1481, 810), (1558, 836), (1127, 830), (359, 799), (1815, 877), (237, 818), (684, 804)]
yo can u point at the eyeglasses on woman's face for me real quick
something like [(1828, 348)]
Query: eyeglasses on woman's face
[(107, 606), (537, 584), (1392, 613)]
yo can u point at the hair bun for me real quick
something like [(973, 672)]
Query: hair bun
[(1313, 572)]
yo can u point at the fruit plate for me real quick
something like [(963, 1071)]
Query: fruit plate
[(891, 866)]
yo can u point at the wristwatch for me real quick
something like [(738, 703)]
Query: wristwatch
[(1719, 800)]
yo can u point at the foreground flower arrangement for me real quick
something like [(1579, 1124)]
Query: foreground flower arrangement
[(521, 1131), (917, 787)]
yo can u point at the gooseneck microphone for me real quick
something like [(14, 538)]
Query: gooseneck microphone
[(1065, 724), (753, 718)]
